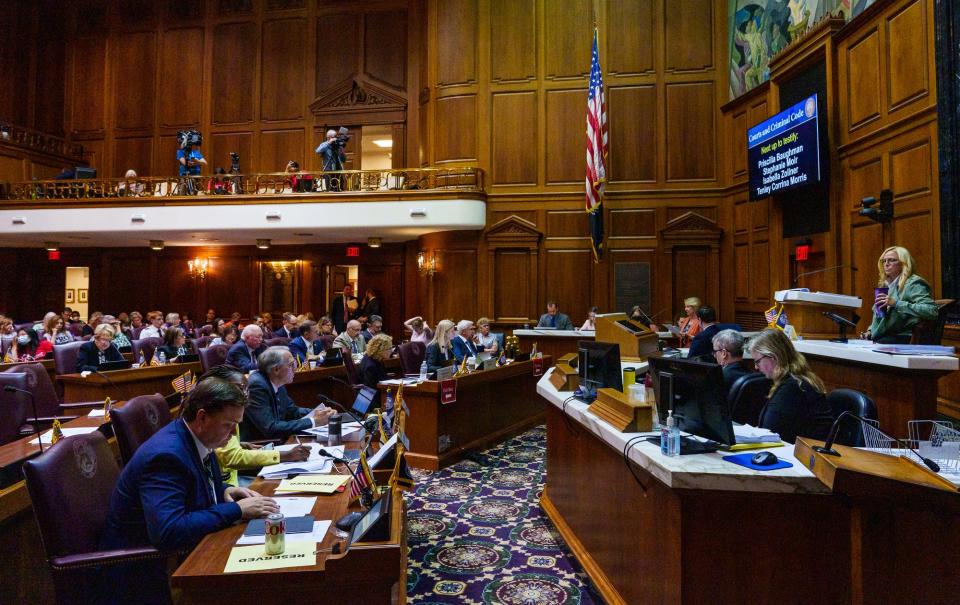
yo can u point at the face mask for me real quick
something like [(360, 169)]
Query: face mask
[(23, 340)]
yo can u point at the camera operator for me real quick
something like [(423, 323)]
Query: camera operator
[(189, 158), (331, 152)]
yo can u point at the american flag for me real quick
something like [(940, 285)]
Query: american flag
[(363, 478), (771, 315), (184, 383), (598, 145)]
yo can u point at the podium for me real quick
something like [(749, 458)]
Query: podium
[(636, 340), (904, 524), (804, 311)]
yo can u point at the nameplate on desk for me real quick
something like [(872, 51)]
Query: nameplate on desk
[(254, 558), (319, 484), (448, 391)]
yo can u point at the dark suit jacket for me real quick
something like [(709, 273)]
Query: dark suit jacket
[(702, 343), (239, 356), (336, 313), (462, 348), (797, 409), (372, 308), (88, 360), (271, 415), (733, 371), (163, 499), (437, 358), (298, 348), (282, 333)]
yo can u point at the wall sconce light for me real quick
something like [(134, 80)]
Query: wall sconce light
[(156, 244), (51, 246), (374, 242), (426, 265), (263, 244), (198, 267)]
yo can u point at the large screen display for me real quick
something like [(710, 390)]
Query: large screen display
[(783, 152)]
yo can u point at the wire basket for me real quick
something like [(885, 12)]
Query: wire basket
[(939, 441)]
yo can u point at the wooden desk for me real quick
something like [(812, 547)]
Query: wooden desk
[(490, 406), (904, 387), (330, 381), (691, 529), (126, 384), (372, 572), (555, 343)]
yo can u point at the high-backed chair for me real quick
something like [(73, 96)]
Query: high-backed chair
[(136, 421), (855, 402), (65, 357), (45, 397), (14, 407), (931, 332), (199, 343), (326, 341), (135, 332), (70, 487), (206, 330), (746, 398), (411, 356), (146, 347), (353, 376), (277, 341), (211, 357)]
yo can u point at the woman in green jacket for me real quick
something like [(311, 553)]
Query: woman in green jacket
[(907, 301)]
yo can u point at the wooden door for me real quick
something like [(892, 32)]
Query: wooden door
[(387, 282)]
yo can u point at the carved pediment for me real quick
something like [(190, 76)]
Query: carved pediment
[(692, 228), (352, 95), (513, 229)]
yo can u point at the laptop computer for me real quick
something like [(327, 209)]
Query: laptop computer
[(188, 358), (109, 366), (334, 357)]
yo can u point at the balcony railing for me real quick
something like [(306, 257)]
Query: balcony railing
[(42, 142), (250, 185)]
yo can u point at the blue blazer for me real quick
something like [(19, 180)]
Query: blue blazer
[(88, 360), (462, 349), (282, 333), (239, 356), (298, 348), (269, 414), (702, 343)]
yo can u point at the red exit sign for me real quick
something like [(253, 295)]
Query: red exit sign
[(353, 250)]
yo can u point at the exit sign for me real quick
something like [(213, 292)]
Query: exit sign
[(353, 250)]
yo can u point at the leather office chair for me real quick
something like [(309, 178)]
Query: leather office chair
[(136, 421), (65, 357), (931, 332), (199, 343), (855, 402), (411, 356), (353, 376), (135, 332), (15, 408), (746, 398), (145, 346), (326, 341), (45, 397), (277, 341), (211, 357), (206, 330), (70, 487)]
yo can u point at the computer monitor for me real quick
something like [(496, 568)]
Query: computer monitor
[(598, 366), (695, 391), (109, 366), (84, 172)]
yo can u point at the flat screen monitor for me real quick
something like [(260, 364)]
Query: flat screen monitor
[(783, 151), (695, 391), (598, 366), (363, 401), (109, 366)]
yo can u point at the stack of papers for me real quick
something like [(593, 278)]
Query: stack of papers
[(319, 466), (406, 381)]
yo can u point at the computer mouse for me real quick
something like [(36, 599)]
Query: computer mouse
[(764, 459)]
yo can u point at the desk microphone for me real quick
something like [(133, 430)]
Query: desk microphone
[(796, 280), (827, 447), (12, 389)]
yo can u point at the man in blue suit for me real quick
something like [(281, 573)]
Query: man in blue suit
[(308, 344), (462, 343), (272, 414), (243, 355), (702, 343), (171, 493)]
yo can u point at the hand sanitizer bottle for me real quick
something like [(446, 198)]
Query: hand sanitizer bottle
[(670, 436)]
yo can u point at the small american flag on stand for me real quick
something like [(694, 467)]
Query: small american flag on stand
[(362, 479), (184, 383), (598, 145)]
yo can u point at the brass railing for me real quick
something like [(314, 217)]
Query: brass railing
[(35, 140), (266, 184)]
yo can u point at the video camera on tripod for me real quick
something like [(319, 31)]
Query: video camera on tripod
[(343, 135), (189, 138)]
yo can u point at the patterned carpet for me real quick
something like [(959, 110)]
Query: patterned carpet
[(477, 535)]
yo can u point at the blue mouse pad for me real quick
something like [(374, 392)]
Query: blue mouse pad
[(744, 460)]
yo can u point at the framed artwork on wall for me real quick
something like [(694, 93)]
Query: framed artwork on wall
[(81, 295), (70, 296)]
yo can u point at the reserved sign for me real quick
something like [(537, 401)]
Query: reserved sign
[(448, 391), (254, 558)]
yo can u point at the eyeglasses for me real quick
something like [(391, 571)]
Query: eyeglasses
[(890, 261), (756, 362), (715, 351)]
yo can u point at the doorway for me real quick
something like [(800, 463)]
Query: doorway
[(77, 292)]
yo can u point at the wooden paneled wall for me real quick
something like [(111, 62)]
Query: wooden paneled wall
[(882, 111), (254, 76), (507, 90), (124, 279)]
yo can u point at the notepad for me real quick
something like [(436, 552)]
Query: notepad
[(314, 484)]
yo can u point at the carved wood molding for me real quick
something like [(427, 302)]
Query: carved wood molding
[(691, 229), (513, 231), (355, 97)]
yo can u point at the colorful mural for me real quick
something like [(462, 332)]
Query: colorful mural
[(759, 29)]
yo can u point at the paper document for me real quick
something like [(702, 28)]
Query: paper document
[(315, 484), (295, 506), (97, 413), (314, 449), (405, 381), (298, 553), (320, 529), (67, 432), (279, 471)]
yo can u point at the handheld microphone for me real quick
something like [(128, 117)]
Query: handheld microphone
[(796, 280), (9, 388)]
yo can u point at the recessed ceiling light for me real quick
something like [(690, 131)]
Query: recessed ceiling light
[(385, 143)]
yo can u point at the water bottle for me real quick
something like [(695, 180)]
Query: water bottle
[(423, 371), (670, 437), (162, 358)]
